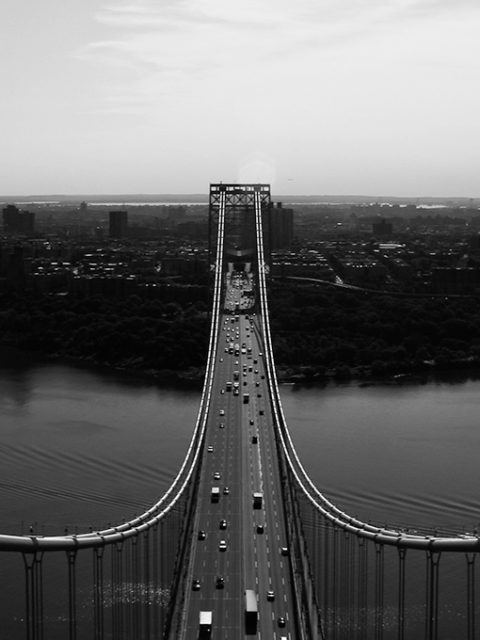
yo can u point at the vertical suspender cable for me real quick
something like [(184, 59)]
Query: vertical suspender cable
[(470, 596), (433, 560), (379, 586), (72, 596), (148, 599), (401, 593), (98, 595), (362, 606)]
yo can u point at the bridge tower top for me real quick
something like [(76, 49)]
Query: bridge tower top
[(239, 195)]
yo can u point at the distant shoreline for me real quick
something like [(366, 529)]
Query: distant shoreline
[(203, 199)]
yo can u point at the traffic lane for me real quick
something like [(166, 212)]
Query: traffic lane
[(232, 468), (260, 542), (264, 567), (212, 562), (275, 531), (276, 569), (207, 563)]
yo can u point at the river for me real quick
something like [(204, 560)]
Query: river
[(82, 448)]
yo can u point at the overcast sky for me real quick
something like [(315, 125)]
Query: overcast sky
[(377, 97)]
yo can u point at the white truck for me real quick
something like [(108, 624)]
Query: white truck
[(205, 624)]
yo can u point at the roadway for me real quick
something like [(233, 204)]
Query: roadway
[(252, 559)]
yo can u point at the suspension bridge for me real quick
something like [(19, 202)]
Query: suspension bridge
[(243, 544)]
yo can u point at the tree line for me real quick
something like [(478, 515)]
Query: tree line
[(350, 332), (316, 332)]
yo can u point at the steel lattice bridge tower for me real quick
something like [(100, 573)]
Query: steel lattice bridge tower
[(242, 545)]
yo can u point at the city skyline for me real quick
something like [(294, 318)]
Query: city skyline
[(311, 97)]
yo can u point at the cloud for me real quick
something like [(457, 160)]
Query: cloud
[(181, 45)]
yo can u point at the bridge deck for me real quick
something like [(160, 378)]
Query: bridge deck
[(253, 558)]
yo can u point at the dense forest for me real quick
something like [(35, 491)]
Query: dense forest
[(166, 336), (335, 331), (317, 332)]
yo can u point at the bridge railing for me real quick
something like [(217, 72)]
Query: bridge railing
[(354, 577), (135, 568)]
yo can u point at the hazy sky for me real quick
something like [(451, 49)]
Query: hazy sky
[(378, 97)]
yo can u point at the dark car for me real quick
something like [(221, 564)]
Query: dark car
[(281, 621), (195, 584), (223, 524), (202, 535), (220, 582)]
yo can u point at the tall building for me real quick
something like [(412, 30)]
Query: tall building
[(16, 221), (280, 227), (118, 224)]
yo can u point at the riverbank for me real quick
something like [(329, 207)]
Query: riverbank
[(466, 369), (307, 376)]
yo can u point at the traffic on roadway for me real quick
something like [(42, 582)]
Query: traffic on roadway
[(239, 567)]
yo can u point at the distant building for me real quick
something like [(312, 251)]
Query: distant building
[(18, 222), (455, 280), (281, 227), (118, 224), (16, 269), (382, 228)]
